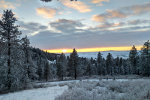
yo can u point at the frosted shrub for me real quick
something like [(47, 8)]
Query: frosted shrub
[(116, 87), (78, 94)]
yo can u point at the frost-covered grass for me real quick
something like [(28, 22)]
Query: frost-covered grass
[(87, 89), (108, 90), (114, 77)]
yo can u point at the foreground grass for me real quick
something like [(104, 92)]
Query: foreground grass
[(108, 90)]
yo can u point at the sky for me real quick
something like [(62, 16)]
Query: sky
[(88, 25)]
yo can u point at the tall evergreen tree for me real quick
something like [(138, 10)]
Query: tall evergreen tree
[(120, 65), (25, 44), (73, 64), (93, 66), (109, 64), (145, 59), (89, 70), (47, 71), (61, 66), (133, 59), (99, 63), (117, 69), (9, 35)]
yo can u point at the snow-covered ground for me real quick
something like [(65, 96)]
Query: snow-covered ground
[(49, 93), (87, 89), (123, 54)]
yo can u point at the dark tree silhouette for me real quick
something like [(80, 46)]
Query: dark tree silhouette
[(73, 63), (145, 59), (133, 59)]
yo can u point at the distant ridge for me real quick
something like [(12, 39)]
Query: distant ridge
[(123, 54)]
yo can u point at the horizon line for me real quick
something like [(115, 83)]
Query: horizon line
[(96, 49)]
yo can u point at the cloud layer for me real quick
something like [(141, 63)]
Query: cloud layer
[(122, 12), (4, 4), (99, 2), (125, 25), (31, 28), (77, 5), (46, 12), (66, 26), (70, 36)]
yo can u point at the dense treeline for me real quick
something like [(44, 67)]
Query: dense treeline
[(138, 63), (21, 64)]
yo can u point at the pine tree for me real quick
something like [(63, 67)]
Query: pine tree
[(3, 73), (40, 67), (9, 35), (133, 59), (104, 66), (93, 66), (89, 70), (82, 66), (99, 63), (73, 64), (47, 71), (120, 65), (117, 69), (145, 59), (61, 66), (109, 64), (126, 66), (25, 44)]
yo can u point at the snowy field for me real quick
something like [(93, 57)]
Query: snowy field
[(133, 89), (49, 93), (88, 89), (123, 54)]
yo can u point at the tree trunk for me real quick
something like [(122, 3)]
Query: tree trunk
[(75, 76), (8, 61), (27, 61)]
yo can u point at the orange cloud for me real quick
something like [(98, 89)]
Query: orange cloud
[(141, 8), (5, 4), (115, 14), (108, 15), (123, 12), (98, 18), (99, 1), (77, 5), (46, 12)]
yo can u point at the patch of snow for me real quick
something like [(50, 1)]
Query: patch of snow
[(49, 93), (52, 62)]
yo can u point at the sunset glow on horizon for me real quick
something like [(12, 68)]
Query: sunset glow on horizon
[(97, 49)]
